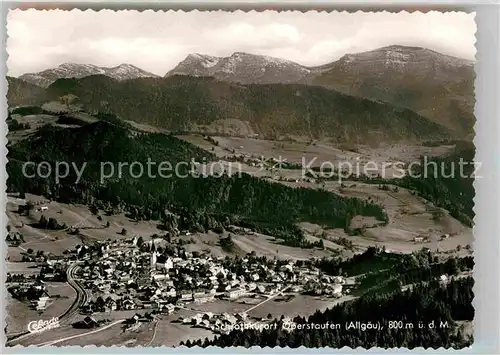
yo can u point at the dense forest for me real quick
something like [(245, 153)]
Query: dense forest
[(379, 271), (446, 186), (206, 202), (179, 103), (425, 316), (442, 182), (22, 93)]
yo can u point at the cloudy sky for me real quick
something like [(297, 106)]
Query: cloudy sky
[(157, 41)]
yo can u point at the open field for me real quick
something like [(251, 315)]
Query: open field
[(161, 332), (177, 332), (19, 314), (409, 216), (53, 109), (104, 336), (314, 155), (261, 244), (301, 305), (168, 333), (105, 333), (146, 128), (93, 229), (228, 126), (34, 121), (266, 246), (171, 334), (23, 268), (38, 120), (72, 215), (116, 336), (50, 335)]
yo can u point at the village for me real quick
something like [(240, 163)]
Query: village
[(162, 278), (131, 274)]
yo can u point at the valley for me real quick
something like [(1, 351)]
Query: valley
[(237, 197), (410, 218)]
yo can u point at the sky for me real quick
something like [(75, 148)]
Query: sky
[(158, 41)]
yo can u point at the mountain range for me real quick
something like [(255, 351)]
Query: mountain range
[(435, 86), (73, 70), (243, 68)]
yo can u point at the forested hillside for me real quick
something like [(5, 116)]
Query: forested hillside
[(20, 92), (446, 181), (243, 199), (183, 103)]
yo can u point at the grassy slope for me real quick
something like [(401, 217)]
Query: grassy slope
[(265, 205)]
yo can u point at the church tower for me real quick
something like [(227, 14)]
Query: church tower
[(154, 255)]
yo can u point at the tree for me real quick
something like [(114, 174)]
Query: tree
[(29, 251), (43, 221), (29, 207), (94, 210), (140, 242), (123, 232), (170, 222), (99, 304), (52, 224), (68, 100)]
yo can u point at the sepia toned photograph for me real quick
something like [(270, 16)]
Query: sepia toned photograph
[(270, 179)]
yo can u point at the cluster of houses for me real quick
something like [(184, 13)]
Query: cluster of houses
[(262, 162), (219, 323), (32, 288), (14, 238), (421, 239), (296, 180), (325, 285), (427, 239), (32, 291), (126, 277), (123, 275)]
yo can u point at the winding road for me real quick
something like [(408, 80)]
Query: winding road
[(81, 294)]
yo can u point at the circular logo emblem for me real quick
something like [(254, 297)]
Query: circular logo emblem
[(33, 326)]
